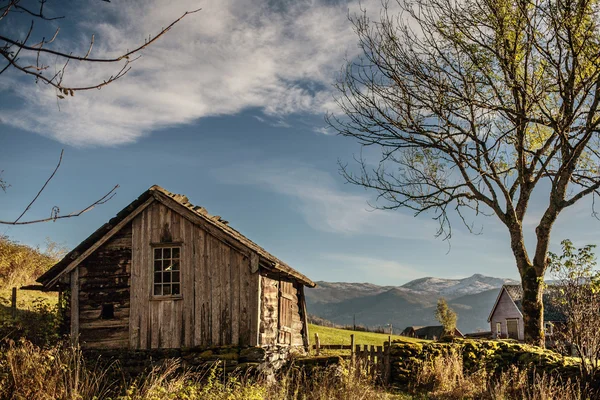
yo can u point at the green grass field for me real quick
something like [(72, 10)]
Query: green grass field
[(342, 336)]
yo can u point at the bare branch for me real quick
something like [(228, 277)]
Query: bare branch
[(55, 215), (42, 189)]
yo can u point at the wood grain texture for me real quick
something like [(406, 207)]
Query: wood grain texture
[(104, 281), (224, 299), (216, 303), (74, 306)]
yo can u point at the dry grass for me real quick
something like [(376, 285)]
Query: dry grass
[(29, 372), (444, 378)]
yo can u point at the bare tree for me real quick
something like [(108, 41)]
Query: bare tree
[(577, 297), (473, 105), (27, 55), (55, 212), (31, 58)]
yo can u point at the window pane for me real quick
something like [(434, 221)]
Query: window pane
[(175, 265), (157, 265), (157, 277), (157, 254), (175, 277), (175, 289), (175, 253), (166, 290), (166, 253), (166, 277), (157, 291)]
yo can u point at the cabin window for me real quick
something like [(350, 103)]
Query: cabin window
[(167, 277), (108, 311), (498, 329)]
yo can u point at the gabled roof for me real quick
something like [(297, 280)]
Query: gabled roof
[(515, 292), (175, 202)]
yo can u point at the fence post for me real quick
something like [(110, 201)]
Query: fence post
[(317, 343), (352, 349), (13, 302), (387, 359)]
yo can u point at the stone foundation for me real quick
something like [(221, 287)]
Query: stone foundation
[(266, 360)]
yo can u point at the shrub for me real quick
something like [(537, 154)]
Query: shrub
[(40, 324)]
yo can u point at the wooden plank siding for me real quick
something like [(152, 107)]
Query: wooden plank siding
[(281, 316), (218, 291), (103, 281)]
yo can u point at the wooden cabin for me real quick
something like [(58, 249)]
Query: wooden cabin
[(164, 273)]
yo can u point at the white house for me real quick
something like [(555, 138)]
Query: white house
[(506, 317)]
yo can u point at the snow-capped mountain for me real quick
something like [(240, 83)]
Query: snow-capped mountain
[(410, 304), (451, 288)]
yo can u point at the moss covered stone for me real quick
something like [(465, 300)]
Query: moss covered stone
[(494, 356)]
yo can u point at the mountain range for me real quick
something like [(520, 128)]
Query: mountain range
[(413, 303)]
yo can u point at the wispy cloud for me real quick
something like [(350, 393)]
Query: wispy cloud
[(324, 205), (232, 55), (388, 272)]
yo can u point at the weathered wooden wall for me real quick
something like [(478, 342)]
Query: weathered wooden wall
[(281, 318), (219, 294), (104, 279)]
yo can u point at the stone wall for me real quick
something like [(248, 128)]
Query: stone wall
[(493, 355), (267, 359)]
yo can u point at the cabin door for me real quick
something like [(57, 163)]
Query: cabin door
[(286, 304), (512, 326)]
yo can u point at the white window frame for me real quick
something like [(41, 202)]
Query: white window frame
[(498, 330), (166, 271)]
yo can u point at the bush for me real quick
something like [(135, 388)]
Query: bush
[(40, 324)]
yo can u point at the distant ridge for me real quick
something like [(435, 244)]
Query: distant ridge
[(410, 304)]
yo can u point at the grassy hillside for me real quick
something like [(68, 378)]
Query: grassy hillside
[(21, 264), (37, 316), (342, 336)]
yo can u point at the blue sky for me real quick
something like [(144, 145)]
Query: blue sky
[(228, 109)]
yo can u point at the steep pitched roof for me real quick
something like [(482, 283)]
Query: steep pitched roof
[(164, 196), (515, 292)]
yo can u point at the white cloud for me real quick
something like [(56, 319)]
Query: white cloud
[(323, 205), (232, 55), (386, 270)]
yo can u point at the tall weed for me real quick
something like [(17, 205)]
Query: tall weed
[(444, 378)]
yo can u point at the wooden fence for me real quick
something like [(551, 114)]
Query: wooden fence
[(374, 361)]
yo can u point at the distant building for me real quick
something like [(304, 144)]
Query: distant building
[(506, 317), (479, 335), (428, 332)]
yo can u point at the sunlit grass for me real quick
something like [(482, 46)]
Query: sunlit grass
[(329, 335)]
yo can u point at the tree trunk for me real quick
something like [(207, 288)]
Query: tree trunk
[(533, 307), (532, 281)]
